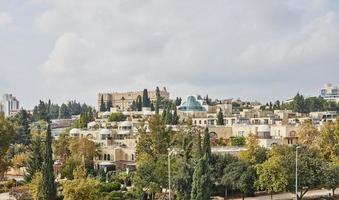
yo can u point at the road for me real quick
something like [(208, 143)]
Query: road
[(287, 196), (5, 196)]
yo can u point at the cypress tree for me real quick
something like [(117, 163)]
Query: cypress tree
[(42, 110), (175, 117), (168, 114), (206, 146), (163, 115), (201, 185), (49, 189), (139, 103), (145, 100), (102, 104), (35, 160), (220, 119), (108, 105), (157, 101)]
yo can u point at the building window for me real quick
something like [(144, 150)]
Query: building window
[(133, 157), (105, 157), (108, 157)]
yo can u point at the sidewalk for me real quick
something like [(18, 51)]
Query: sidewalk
[(286, 196)]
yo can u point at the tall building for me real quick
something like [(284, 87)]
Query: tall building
[(9, 105), (330, 92), (123, 100)]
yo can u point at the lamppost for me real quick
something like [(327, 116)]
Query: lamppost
[(170, 151), (296, 171)]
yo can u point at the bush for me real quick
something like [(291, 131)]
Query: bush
[(10, 183), (109, 187), (21, 193)]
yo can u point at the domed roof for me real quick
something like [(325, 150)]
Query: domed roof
[(263, 128), (74, 131), (191, 104), (105, 132), (125, 124)]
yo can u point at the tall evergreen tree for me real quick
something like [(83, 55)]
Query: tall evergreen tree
[(206, 146), (175, 117), (201, 185), (49, 189), (146, 102), (139, 103), (220, 118), (168, 119), (23, 135), (102, 104), (157, 101), (64, 112), (35, 159), (108, 105), (42, 111)]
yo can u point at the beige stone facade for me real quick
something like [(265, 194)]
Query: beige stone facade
[(123, 100)]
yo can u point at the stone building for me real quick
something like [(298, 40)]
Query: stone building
[(123, 100)]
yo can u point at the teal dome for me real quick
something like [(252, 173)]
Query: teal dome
[(191, 104)]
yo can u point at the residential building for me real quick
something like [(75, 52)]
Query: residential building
[(330, 92), (9, 105)]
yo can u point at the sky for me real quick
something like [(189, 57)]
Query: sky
[(254, 50)]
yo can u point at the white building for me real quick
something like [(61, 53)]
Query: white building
[(9, 105), (330, 92)]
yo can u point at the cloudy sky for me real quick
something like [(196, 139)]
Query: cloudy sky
[(256, 50)]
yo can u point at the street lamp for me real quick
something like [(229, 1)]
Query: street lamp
[(170, 151), (296, 171)]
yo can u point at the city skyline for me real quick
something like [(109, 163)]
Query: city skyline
[(263, 51)]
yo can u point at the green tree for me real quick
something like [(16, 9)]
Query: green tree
[(146, 102), (238, 141), (307, 134), (42, 111), (157, 101), (272, 176), (241, 176), (331, 176), (298, 104), (85, 189), (102, 104), (109, 105), (23, 134), (35, 158), (36, 186), (7, 134), (64, 112), (117, 117), (151, 153), (49, 189), (201, 185), (61, 147), (183, 180), (139, 103), (254, 153), (220, 118), (329, 141)]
